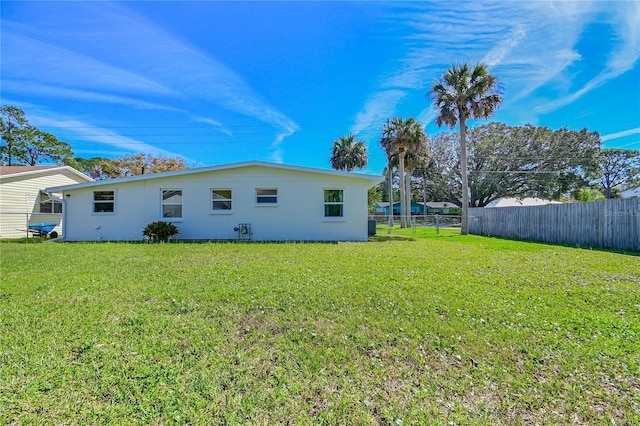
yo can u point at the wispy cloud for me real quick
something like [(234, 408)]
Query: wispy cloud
[(618, 135), (630, 145), (130, 46), (276, 154), (83, 95), (102, 136), (528, 45), (625, 21), (376, 111), (192, 72), (46, 63), (511, 40), (427, 115), (440, 34), (215, 123)]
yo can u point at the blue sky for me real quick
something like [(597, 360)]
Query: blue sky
[(220, 82)]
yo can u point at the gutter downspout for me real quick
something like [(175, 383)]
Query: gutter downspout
[(64, 219)]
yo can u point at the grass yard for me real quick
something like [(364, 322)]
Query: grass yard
[(406, 329)]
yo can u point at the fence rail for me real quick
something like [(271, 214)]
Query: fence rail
[(421, 220), (16, 224), (611, 224)]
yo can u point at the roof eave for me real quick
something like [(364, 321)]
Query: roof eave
[(372, 178), (47, 170)]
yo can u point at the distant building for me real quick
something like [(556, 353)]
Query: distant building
[(517, 202), (417, 208), (631, 192), (23, 201)]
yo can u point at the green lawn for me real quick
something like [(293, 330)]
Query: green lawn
[(406, 329)]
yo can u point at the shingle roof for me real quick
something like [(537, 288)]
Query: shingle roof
[(12, 170)]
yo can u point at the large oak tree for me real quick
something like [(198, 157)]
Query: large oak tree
[(619, 166), (505, 161)]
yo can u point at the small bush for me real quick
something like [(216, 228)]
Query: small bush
[(160, 231)]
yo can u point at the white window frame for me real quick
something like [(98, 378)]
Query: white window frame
[(211, 201), (332, 203), (163, 204), (50, 201), (261, 197), (93, 201)]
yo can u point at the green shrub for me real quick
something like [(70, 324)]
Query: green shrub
[(160, 231)]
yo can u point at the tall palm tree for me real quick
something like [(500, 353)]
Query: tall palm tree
[(348, 154), (460, 94), (414, 160), (401, 137)]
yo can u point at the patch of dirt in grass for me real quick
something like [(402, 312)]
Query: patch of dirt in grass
[(387, 238)]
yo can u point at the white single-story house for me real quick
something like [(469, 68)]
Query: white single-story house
[(633, 192), (517, 202), (250, 200), (23, 201)]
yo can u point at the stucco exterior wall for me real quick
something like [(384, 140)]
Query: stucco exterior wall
[(298, 215)]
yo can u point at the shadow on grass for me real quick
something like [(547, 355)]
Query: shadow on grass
[(24, 240), (389, 237), (574, 246), (183, 242)]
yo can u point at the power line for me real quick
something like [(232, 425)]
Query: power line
[(519, 171), (211, 126)]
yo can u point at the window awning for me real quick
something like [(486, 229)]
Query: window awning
[(51, 196)]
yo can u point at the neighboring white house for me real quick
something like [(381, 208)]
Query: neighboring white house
[(250, 200), (631, 192), (23, 201), (516, 202)]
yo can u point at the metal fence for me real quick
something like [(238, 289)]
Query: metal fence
[(613, 224), (437, 220), (16, 224)]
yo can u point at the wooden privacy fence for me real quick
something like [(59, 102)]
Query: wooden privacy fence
[(611, 224)]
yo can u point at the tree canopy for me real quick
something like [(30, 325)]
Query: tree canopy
[(140, 164), (347, 154), (25, 144), (505, 161), (96, 167), (132, 165), (618, 166)]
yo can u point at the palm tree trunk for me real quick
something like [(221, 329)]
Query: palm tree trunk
[(465, 182), (390, 196), (403, 207), (424, 197), (407, 192)]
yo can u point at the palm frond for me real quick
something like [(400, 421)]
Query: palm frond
[(348, 154)]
